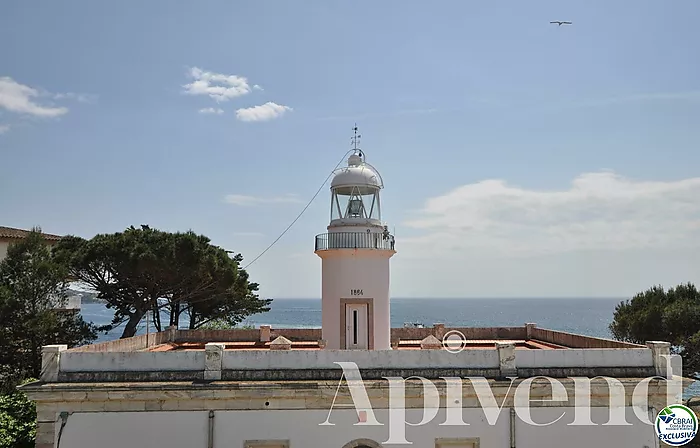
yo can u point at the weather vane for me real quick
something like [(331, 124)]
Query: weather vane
[(356, 139)]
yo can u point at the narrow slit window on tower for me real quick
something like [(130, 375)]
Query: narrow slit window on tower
[(354, 326)]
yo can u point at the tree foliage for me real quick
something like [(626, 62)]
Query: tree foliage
[(32, 285), (17, 420), (144, 269), (221, 324), (671, 315)]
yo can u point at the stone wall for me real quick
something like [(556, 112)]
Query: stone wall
[(411, 333), (315, 334), (577, 341), (215, 363), (265, 333), (139, 361), (127, 359), (470, 333), (328, 359), (131, 344), (590, 357), (61, 399), (203, 336), (297, 334), (297, 395)]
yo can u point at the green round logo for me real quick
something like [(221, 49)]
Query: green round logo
[(676, 425)]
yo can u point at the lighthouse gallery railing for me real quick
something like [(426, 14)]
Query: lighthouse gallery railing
[(354, 240)]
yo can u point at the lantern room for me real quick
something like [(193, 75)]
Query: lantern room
[(355, 194)]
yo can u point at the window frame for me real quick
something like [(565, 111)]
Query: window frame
[(470, 442), (266, 444)]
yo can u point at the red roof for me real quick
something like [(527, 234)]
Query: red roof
[(12, 233)]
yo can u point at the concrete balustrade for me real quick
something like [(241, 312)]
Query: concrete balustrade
[(214, 354), (528, 330), (506, 358), (265, 333), (130, 359), (660, 356), (50, 362), (439, 330), (573, 340), (592, 357), (365, 359)]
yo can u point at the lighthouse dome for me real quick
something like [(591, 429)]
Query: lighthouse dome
[(358, 176)]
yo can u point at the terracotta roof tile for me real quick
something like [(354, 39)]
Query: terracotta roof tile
[(10, 232)]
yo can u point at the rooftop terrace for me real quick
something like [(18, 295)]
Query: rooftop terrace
[(268, 354), (415, 344), (528, 336)]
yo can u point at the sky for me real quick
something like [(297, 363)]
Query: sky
[(520, 158)]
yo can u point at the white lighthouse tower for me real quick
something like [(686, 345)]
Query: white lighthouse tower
[(355, 257)]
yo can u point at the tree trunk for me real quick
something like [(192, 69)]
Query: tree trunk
[(132, 324), (156, 318), (178, 314), (173, 312)]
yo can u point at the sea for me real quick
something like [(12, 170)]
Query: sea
[(583, 316)]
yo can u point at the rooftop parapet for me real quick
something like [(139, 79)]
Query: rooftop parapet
[(231, 355), (528, 336)]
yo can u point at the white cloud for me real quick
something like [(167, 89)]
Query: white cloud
[(4, 128), (264, 112), (217, 86), (19, 98), (600, 211), (244, 200), (80, 97), (211, 110), (257, 87)]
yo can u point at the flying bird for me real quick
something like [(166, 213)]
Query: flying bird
[(561, 23)]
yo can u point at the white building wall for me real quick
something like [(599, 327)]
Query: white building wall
[(194, 360), (344, 270), (561, 434), (4, 246), (132, 361), (3, 249), (136, 429), (587, 357), (303, 428), (366, 359)]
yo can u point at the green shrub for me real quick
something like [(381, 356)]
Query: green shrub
[(17, 420)]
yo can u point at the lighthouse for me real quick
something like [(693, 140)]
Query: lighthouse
[(355, 254)]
